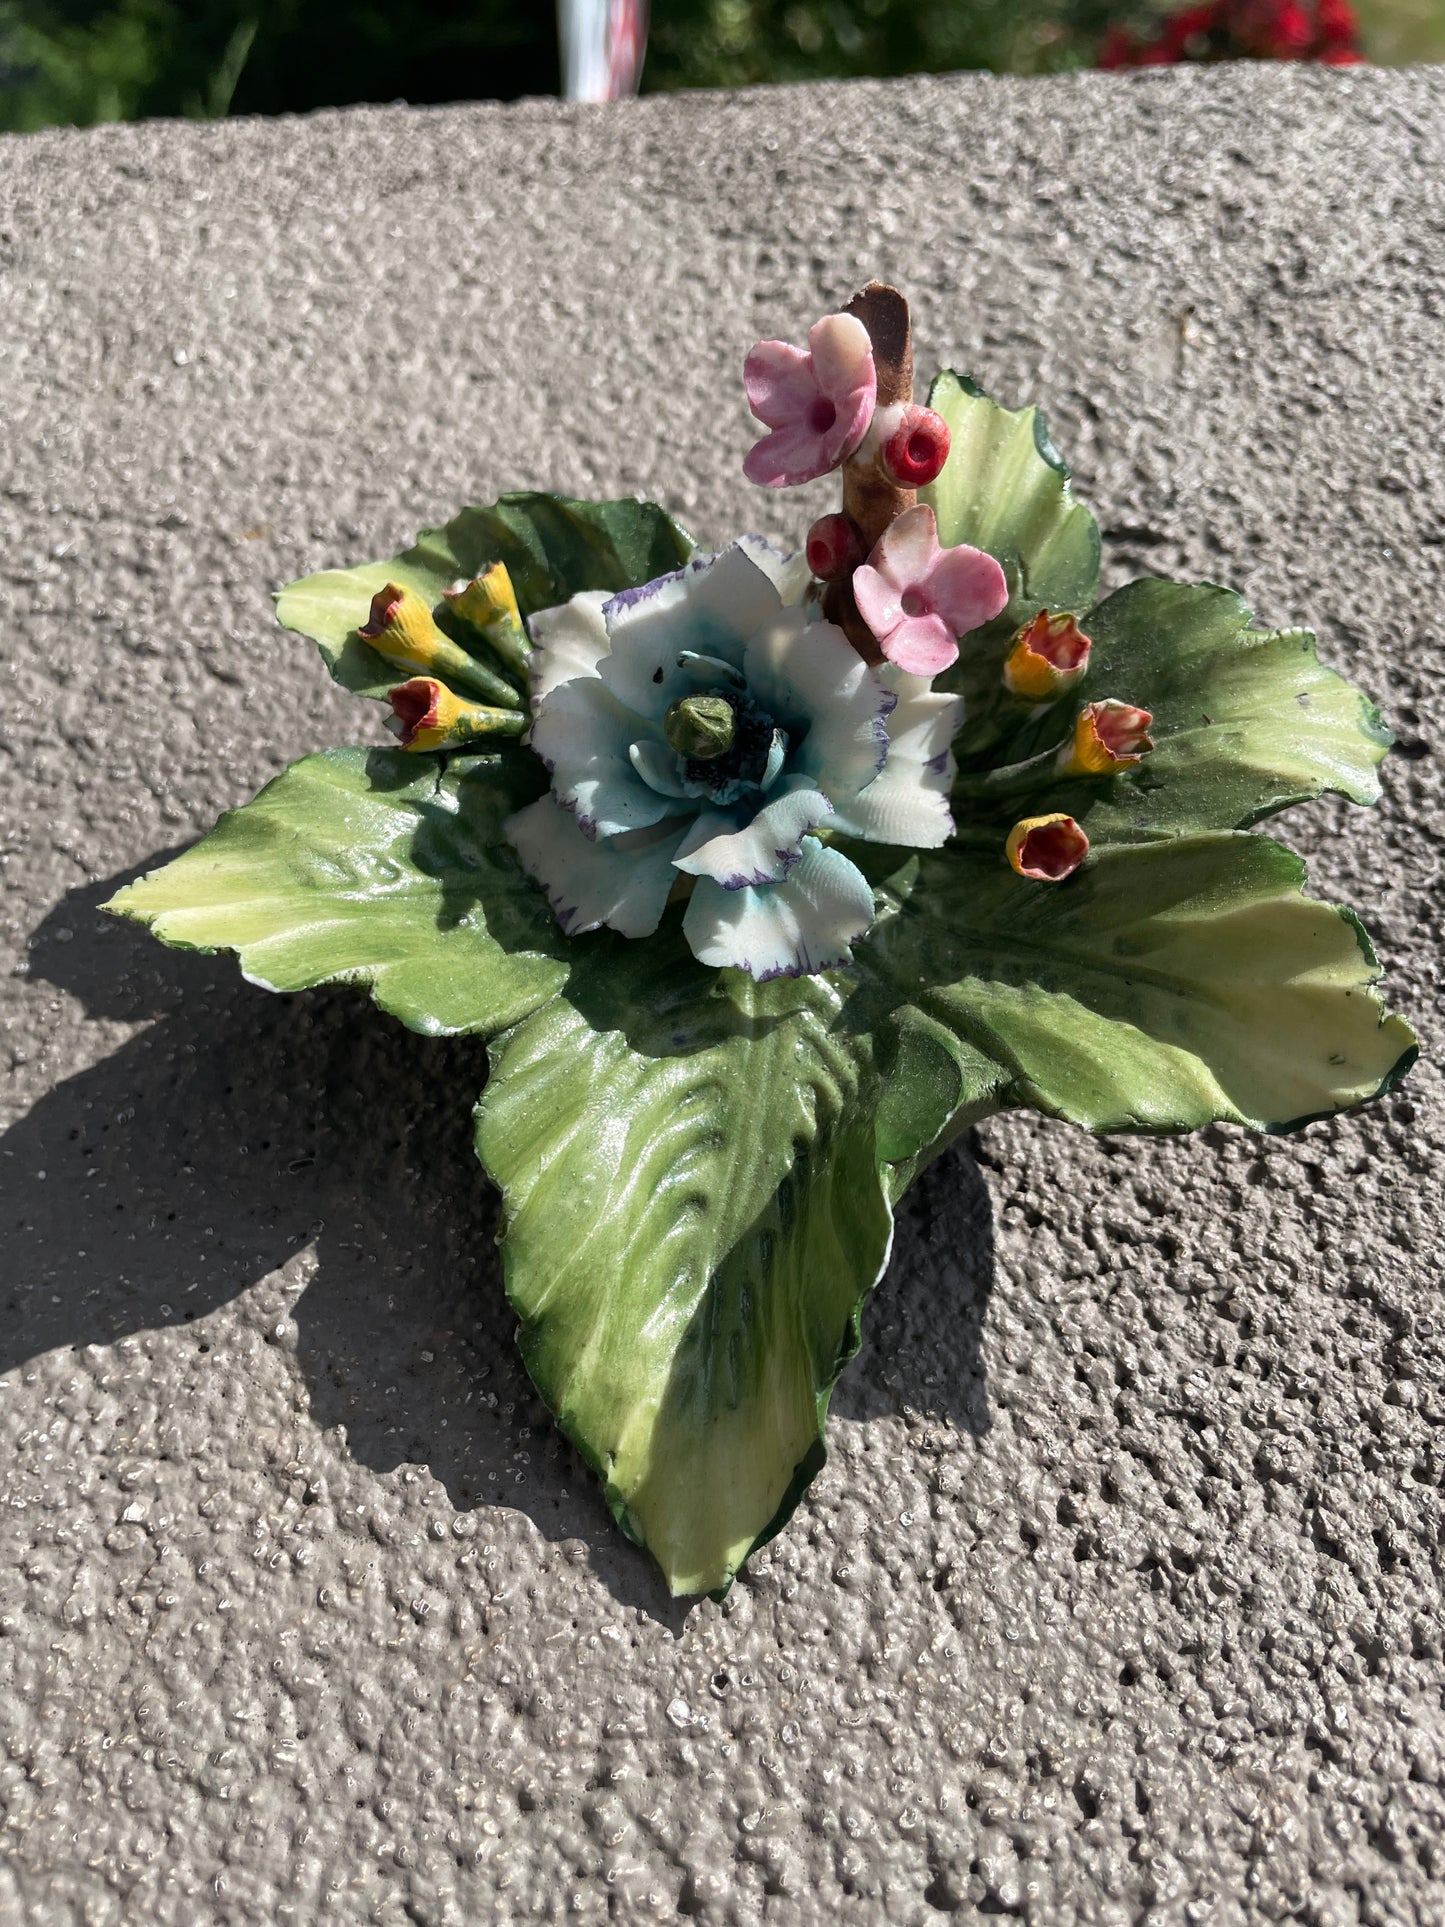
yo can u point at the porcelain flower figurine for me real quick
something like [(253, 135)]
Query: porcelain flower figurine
[(698, 732), (765, 876)]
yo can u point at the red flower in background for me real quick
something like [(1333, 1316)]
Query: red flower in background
[(1339, 34), (1187, 35), (1321, 30)]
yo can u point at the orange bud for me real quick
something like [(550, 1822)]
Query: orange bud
[(1047, 848), (1048, 656), (1108, 737)]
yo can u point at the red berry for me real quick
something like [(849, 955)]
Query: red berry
[(834, 547), (915, 452)]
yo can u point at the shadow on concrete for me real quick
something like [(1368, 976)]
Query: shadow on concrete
[(240, 1127), (922, 1341)]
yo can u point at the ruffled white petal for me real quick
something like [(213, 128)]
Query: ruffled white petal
[(711, 606), (657, 764), (591, 884), (789, 574), (923, 722), (582, 733), (789, 929), (765, 851), (907, 802), (569, 641), (731, 596), (812, 680)]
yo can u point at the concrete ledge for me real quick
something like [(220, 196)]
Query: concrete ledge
[(1119, 1598)]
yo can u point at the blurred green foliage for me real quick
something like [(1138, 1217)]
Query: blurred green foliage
[(77, 62), (730, 43)]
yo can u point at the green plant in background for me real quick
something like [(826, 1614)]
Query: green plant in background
[(75, 61), (765, 876)]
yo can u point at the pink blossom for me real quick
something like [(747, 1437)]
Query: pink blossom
[(918, 599), (817, 404), (915, 446)]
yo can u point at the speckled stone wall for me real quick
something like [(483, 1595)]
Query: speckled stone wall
[(1119, 1599)]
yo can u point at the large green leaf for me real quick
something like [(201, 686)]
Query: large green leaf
[(695, 1210), (1163, 986), (553, 548), (1005, 488), (1246, 722), (374, 867)]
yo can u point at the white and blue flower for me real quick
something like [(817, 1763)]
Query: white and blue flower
[(699, 731)]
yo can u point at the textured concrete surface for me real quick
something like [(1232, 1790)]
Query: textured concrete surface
[(1119, 1599)]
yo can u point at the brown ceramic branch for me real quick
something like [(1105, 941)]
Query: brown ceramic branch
[(871, 498)]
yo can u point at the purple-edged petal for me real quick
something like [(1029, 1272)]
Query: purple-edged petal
[(730, 599), (812, 681), (907, 803), (582, 733), (789, 574), (643, 627), (569, 640), (921, 645), (779, 383), (765, 850), (803, 924), (591, 884), (710, 607), (967, 588)]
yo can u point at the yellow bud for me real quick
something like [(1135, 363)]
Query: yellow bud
[(488, 604), (401, 628), (427, 715), (487, 598)]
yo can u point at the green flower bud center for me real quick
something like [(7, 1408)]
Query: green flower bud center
[(701, 727)]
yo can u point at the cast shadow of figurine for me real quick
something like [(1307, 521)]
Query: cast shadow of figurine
[(238, 1128)]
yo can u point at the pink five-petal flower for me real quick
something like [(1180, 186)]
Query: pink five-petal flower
[(918, 599), (817, 403)]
